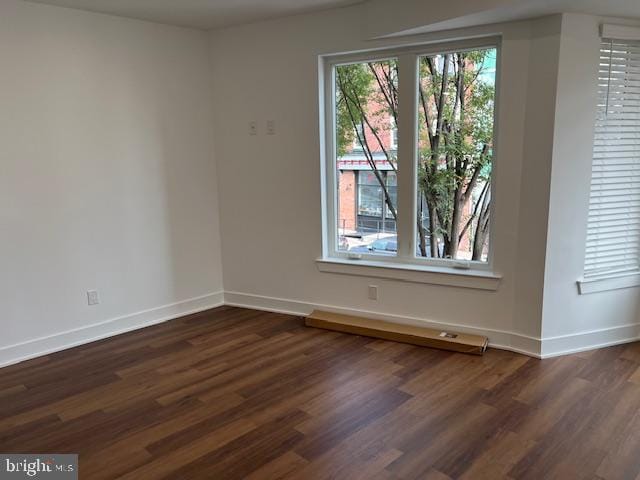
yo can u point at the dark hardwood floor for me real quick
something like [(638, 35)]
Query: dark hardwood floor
[(233, 394)]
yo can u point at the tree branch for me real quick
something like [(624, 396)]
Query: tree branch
[(362, 139), (475, 211)]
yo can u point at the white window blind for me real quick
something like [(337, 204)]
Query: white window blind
[(613, 235)]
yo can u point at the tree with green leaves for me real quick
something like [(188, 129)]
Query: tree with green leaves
[(456, 104), (356, 93)]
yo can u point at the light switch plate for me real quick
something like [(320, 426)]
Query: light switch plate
[(92, 297), (373, 292), (271, 127)]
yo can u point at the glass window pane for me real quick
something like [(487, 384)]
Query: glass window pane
[(393, 135), (366, 112), (370, 201), (392, 188), (392, 179), (367, 178), (455, 143)]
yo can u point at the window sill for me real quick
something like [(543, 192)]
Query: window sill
[(586, 287), (475, 279)]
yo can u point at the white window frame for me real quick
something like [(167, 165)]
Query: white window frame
[(406, 265)]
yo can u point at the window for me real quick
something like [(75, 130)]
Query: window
[(372, 202), (358, 137), (613, 231), (393, 135), (423, 119), (391, 181), (361, 111), (370, 197), (456, 97)]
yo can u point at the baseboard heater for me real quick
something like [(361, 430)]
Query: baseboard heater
[(424, 337)]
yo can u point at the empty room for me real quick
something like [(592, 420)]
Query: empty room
[(320, 239)]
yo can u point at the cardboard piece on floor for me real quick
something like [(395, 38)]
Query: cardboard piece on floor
[(425, 337)]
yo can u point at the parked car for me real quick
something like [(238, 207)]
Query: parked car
[(381, 246)]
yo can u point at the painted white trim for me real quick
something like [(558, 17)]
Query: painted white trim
[(589, 340), (619, 32), (500, 339), (587, 286), (449, 276), (72, 338), (407, 157)]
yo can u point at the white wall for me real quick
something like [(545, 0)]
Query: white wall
[(536, 171), (270, 193), (107, 178), (572, 321)]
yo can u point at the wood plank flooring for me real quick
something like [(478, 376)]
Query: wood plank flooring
[(234, 394)]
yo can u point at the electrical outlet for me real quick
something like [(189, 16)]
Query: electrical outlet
[(253, 128), (373, 292), (271, 127), (92, 297)]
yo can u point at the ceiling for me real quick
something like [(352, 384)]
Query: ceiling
[(211, 14), (203, 14), (522, 9)]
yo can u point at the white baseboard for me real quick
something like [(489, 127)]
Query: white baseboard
[(501, 339), (115, 326), (535, 347), (591, 340), (497, 338)]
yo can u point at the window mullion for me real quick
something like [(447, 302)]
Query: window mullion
[(407, 154), (328, 176)]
